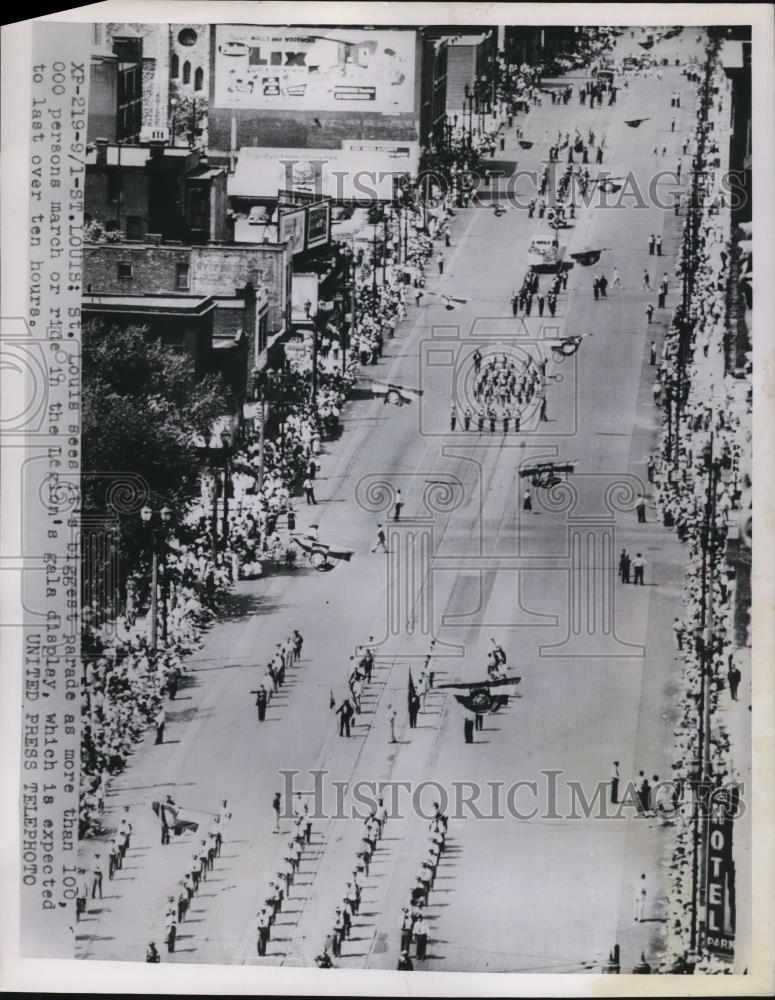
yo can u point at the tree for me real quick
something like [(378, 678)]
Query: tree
[(186, 119), (142, 408)]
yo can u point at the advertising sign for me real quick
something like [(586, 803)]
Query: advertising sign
[(291, 229), (314, 69), (720, 884), (318, 225), (304, 298)]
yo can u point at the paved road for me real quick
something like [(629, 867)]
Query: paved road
[(598, 671)]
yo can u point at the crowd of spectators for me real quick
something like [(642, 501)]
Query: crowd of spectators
[(699, 476)]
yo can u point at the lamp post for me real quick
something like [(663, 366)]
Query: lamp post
[(226, 440), (258, 395), (158, 538), (468, 98), (349, 258)]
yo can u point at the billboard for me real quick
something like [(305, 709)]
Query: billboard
[(291, 229), (318, 225), (314, 69)]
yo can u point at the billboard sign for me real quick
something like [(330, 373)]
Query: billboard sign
[(291, 229), (314, 69), (318, 225)]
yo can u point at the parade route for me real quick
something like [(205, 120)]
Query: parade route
[(466, 563)]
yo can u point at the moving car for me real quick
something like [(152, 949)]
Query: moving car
[(545, 252)]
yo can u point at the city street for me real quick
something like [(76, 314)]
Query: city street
[(466, 563)]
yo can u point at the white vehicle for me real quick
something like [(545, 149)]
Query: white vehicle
[(545, 252)]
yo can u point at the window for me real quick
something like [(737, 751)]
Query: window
[(187, 36), (199, 78), (186, 72), (174, 66), (134, 227), (124, 269), (181, 276)]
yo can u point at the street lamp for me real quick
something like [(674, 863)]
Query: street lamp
[(226, 441), (158, 538), (349, 258), (259, 396)]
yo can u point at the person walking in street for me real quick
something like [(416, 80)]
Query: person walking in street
[(406, 931), (733, 677), (649, 311), (658, 246), (638, 566), (527, 501), (160, 720), (652, 244), (468, 727), (380, 540), (391, 717), (652, 354), (678, 633), (646, 281), (171, 930), (405, 964), (414, 709), (543, 417), (640, 508), (467, 419), (98, 874), (641, 895), (615, 782), (624, 567), (309, 491), (345, 713), (616, 281), (440, 262), (152, 953), (398, 503), (261, 701), (276, 805), (262, 931), (650, 469), (453, 418), (421, 932), (596, 288)]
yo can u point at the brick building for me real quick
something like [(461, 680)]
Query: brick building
[(222, 271), (143, 189)]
